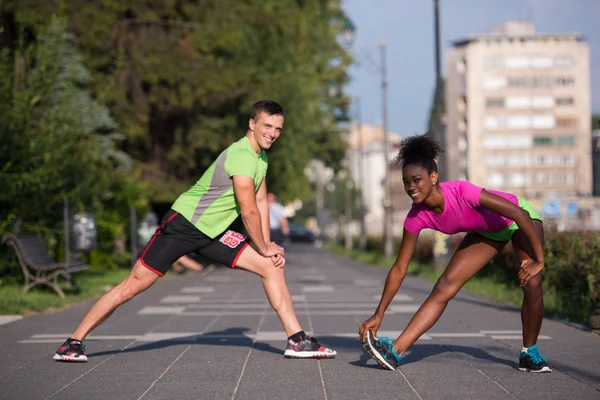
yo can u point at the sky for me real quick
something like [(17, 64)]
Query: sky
[(407, 27)]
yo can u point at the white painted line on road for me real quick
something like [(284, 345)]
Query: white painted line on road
[(367, 312), (198, 289), (514, 334), (368, 282), (318, 289), (516, 337), (181, 299), (310, 305), (218, 279), (161, 310), (7, 319), (319, 278), (398, 297), (403, 308), (263, 335), (455, 335), (298, 297)]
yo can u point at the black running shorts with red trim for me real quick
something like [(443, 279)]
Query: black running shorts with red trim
[(176, 237)]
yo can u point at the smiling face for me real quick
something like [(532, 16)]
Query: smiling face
[(264, 130), (418, 183)]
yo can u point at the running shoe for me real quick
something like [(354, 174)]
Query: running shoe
[(71, 350), (533, 361), (382, 350), (307, 348)]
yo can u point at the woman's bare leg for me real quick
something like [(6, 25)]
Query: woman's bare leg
[(532, 310), (472, 255)]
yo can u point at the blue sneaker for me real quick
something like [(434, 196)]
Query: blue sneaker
[(382, 350), (533, 361)]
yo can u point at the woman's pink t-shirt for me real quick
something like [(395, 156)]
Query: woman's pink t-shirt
[(462, 212)]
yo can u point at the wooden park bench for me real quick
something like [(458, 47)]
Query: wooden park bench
[(37, 265)]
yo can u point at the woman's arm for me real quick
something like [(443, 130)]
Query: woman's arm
[(501, 206), (398, 271), (392, 283)]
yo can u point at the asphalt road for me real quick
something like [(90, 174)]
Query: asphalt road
[(212, 335)]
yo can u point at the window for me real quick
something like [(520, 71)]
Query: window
[(494, 102), (493, 123), (564, 81), (542, 141), (516, 62), (507, 142), (565, 101), (518, 102), (543, 122), (565, 140), (494, 62), (566, 121), (495, 180), (518, 122), (564, 61), (494, 83), (542, 62), (518, 180), (542, 102)]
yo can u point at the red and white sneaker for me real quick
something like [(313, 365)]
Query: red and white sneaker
[(308, 348), (71, 350)]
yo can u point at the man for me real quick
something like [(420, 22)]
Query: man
[(205, 219), (279, 223)]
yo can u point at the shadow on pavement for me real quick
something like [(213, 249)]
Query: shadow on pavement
[(416, 353), (227, 337)]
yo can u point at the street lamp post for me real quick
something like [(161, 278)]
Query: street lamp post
[(348, 32), (387, 202), (360, 146)]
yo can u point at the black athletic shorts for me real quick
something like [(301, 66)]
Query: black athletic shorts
[(176, 237)]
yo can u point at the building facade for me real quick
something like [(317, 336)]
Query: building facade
[(518, 113), (366, 162)]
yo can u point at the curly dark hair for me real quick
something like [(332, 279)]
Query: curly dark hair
[(419, 150)]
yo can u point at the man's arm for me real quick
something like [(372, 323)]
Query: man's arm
[(263, 208), (243, 187)]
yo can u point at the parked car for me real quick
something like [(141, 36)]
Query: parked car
[(298, 233)]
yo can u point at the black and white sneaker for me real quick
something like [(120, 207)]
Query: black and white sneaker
[(533, 361), (71, 350), (382, 350), (308, 348)]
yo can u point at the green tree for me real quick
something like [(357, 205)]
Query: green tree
[(180, 77), (56, 141)]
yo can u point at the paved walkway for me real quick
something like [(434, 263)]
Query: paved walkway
[(213, 336)]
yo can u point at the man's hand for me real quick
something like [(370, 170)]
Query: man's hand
[(529, 269), (278, 260), (373, 324), (273, 249)]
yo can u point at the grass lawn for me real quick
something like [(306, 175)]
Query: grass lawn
[(42, 298)]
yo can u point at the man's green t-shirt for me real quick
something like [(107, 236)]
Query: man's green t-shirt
[(210, 204)]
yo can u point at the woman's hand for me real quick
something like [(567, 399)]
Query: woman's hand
[(529, 269), (373, 324)]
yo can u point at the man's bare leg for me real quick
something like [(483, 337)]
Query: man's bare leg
[(276, 289), (275, 285), (139, 279)]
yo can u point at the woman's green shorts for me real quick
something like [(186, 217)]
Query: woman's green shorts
[(506, 234)]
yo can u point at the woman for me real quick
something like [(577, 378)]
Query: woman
[(491, 219)]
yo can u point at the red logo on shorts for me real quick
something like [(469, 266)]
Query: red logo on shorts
[(232, 239)]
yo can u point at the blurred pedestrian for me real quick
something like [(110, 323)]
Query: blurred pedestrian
[(280, 229)]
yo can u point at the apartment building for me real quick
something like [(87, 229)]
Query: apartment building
[(518, 112)]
